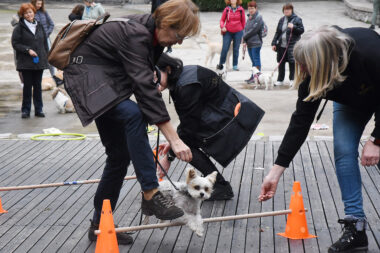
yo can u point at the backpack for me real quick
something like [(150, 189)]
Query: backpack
[(70, 37), (264, 29)]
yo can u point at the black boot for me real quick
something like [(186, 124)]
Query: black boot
[(354, 238), (221, 191), (219, 66), (161, 207), (122, 238)]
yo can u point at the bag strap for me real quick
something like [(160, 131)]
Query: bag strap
[(103, 17)]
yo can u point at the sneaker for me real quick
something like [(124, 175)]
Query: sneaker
[(161, 207), (278, 83), (122, 238), (249, 80), (40, 114), (25, 115), (235, 68), (219, 66), (222, 191), (372, 27), (291, 83), (352, 239), (169, 50)]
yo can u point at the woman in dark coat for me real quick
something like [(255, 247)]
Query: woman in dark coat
[(342, 66), (29, 41), (289, 25)]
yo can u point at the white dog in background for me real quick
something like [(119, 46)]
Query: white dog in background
[(189, 197), (262, 79), (215, 48), (62, 100)]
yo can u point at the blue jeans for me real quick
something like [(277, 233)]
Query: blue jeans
[(254, 54), (122, 131), (349, 124), (227, 38)]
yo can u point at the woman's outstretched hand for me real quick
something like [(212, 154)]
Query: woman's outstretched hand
[(269, 185)]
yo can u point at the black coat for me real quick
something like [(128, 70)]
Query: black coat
[(296, 35), (360, 90), (205, 105), (23, 40)]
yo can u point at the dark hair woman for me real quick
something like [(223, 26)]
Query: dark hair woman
[(232, 24), (341, 65), (115, 62), (289, 27), (77, 12), (29, 41)]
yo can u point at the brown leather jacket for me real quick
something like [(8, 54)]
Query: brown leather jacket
[(118, 61)]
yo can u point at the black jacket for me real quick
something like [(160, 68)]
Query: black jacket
[(23, 40), (296, 35), (205, 105), (124, 55), (360, 90)]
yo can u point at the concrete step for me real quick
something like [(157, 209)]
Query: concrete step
[(360, 10)]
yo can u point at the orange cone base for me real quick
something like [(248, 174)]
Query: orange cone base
[(309, 236), (3, 211)]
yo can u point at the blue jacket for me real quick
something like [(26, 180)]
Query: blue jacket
[(47, 23)]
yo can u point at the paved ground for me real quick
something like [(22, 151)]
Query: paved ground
[(278, 103), (57, 219)]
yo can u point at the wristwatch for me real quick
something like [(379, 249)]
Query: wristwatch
[(171, 155), (375, 141)]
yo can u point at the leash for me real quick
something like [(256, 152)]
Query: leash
[(286, 49)]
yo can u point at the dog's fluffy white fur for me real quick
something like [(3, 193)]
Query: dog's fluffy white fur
[(215, 48), (190, 196), (262, 79), (62, 100)]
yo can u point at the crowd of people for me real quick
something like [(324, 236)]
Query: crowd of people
[(125, 57)]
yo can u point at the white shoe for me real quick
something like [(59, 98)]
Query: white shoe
[(291, 83), (278, 83)]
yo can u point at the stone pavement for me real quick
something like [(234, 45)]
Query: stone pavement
[(278, 103)]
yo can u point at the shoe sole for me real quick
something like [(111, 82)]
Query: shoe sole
[(172, 217), (356, 250)]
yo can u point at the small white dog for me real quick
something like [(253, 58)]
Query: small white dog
[(189, 197), (216, 48), (260, 78), (62, 100)]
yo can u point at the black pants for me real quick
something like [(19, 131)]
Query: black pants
[(32, 80), (202, 163), (281, 68)]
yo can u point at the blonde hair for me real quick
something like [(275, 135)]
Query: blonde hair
[(181, 15), (322, 54)]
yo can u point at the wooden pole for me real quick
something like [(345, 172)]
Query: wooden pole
[(206, 220), (25, 187)]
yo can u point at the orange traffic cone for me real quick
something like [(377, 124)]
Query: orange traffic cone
[(107, 241), (296, 226), (1, 208)]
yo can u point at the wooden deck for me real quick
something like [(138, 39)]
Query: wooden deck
[(57, 219)]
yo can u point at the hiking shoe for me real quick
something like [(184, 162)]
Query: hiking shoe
[(352, 239), (40, 114), (161, 207), (219, 66), (249, 80), (25, 115), (222, 191), (372, 27), (122, 238)]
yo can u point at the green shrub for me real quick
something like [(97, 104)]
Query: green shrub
[(214, 5)]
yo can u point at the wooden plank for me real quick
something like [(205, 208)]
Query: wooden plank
[(226, 227), (281, 243), (7, 146), (266, 243), (44, 204), (317, 212), (325, 192), (240, 226)]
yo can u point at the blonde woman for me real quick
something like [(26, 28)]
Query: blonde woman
[(342, 66), (115, 62)]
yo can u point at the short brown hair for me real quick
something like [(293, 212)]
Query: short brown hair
[(238, 2), (288, 6), (34, 2), (24, 7), (181, 15), (252, 4)]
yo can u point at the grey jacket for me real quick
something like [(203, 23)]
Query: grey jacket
[(123, 58), (252, 31), (94, 12), (47, 23)]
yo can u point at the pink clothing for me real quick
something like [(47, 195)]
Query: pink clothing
[(233, 21)]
